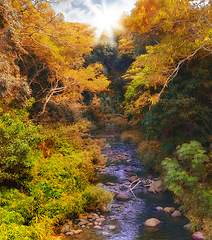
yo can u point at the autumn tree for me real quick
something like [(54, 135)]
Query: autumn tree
[(169, 96), (182, 50), (50, 52)]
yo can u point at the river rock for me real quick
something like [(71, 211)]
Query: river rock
[(69, 233), (100, 219), (105, 233), (158, 208), (93, 216), (197, 236), (83, 222), (122, 197), (157, 186), (66, 228), (152, 222), (168, 209), (128, 169), (176, 213), (98, 227), (133, 178), (187, 226), (111, 227), (78, 231), (110, 184)]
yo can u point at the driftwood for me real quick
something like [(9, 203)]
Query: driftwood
[(137, 182)]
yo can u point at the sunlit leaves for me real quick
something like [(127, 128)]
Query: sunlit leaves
[(91, 78), (59, 44), (181, 33), (126, 45)]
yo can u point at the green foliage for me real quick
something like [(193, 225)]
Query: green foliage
[(151, 154), (60, 167), (17, 140), (188, 176)]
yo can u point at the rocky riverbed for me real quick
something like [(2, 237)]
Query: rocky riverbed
[(142, 208)]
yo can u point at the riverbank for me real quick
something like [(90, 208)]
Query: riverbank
[(129, 209)]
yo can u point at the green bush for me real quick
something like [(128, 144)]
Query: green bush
[(17, 141), (59, 168), (188, 176)]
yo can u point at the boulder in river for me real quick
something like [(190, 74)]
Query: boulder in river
[(197, 236), (168, 209), (157, 186), (112, 227), (133, 178), (152, 222), (176, 213), (158, 208), (187, 226), (128, 169), (122, 197)]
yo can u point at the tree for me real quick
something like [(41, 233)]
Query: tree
[(50, 52), (184, 33)]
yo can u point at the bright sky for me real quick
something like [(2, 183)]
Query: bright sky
[(102, 14)]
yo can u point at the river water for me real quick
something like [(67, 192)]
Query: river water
[(128, 216)]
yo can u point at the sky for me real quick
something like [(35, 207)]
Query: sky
[(102, 14)]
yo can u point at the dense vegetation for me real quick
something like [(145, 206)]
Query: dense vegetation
[(47, 157), (169, 97), (158, 73)]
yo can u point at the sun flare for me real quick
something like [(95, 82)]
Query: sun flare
[(102, 15), (106, 21)]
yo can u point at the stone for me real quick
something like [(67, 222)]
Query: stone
[(112, 227), (128, 169), (133, 178), (101, 219), (78, 231), (197, 236), (97, 223), (157, 186), (112, 218), (187, 226), (105, 233), (176, 213), (152, 222), (158, 208), (122, 197), (168, 209), (83, 222), (69, 233), (66, 228), (98, 227), (110, 184), (92, 216), (115, 205)]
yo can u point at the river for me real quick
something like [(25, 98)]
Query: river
[(127, 216)]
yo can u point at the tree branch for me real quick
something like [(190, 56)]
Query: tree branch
[(176, 70)]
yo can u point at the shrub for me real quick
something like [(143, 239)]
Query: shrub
[(188, 176), (151, 155), (17, 141), (60, 167)]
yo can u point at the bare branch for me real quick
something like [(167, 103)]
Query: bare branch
[(176, 70)]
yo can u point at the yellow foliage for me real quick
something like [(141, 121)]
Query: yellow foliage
[(91, 78), (126, 45), (61, 45)]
